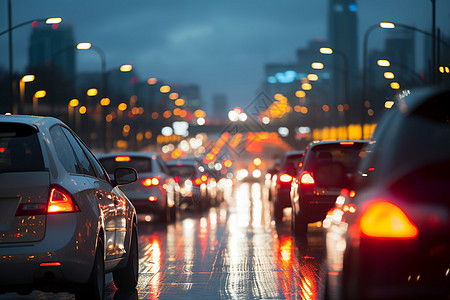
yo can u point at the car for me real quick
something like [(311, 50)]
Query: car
[(327, 168), (155, 193), (389, 238), (268, 178), (281, 186), (63, 222), (193, 189)]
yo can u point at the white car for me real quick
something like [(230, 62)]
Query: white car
[(156, 192), (63, 222)]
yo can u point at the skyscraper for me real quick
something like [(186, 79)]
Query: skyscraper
[(342, 36)]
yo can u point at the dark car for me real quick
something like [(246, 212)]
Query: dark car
[(193, 188), (327, 168), (281, 182), (391, 238), (63, 222)]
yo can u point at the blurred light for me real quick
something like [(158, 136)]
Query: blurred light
[(317, 65), (126, 68), (167, 114), (257, 161), (395, 85), (179, 102), (109, 118), (447, 70), (340, 107), (199, 113), (165, 89), (92, 92), (155, 115), (325, 50), (74, 103), (389, 75), (325, 108), (383, 63), (53, 20), (34, 24), (266, 120), (300, 94), (152, 81), (82, 110), (304, 110), (278, 97), (233, 116), (388, 104), (40, 94), (313, 77), (256, 173), (306, 86), (167, 131), (173, 96), (370, 112), (84, 46), (122, 106), (27, 78), (105, 102), (227, 163), (126, 128), (148, 134), (201, 121), (180, 128), (387, 25), (283, 131), (242, 117)]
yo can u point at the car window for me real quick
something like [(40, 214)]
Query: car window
[(183, 171), (162, 165), (99, 172), (19, 149), (348, 155), (64, 150), (139, 163), (86, 167)]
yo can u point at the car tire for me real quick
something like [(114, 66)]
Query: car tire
[(127, 278), (95, 287)]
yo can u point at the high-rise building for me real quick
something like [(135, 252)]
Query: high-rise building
[(220, 106), (47, 44), (342, 36)]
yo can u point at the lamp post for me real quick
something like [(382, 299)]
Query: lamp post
[(39, 94)]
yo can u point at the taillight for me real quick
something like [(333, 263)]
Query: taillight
[(204, 178), (60, 201), (285, 178), (122, 158), (386, 220), (307, 178), (150, 181), (197, 181)]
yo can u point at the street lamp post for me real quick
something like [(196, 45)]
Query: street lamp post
[(36, 97)]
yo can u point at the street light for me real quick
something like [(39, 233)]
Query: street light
[(25, 79), (39, 94)]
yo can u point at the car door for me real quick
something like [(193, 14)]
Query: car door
[(101, 191)]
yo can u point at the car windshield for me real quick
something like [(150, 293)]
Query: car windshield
[(19, 149), (182, 171), (140, 164), (292, 161)]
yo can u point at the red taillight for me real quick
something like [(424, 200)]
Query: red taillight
[(300, 164), (346, 143), (307, 178), (177, 179), (60, 202), (285, 178), (197, 181), (204, 178), (151, 181), (50, 264), (122, 158), (152, 198), (386, 220)]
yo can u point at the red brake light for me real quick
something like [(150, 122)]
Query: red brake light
[(285, 178), (60, 202), (346, 143), (50, 264), (150, 181), (197, 181), (204, 178), (300, 164), (386, 220), (122, 158), (307, 178)]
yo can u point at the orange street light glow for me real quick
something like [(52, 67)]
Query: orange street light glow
[(395, 85), (53, 20), (126, 68), (122, 106), (389, 75), (105, 102), (28, 78), (300, 94), (317, 65), (306, 86), (152, 81), (40, 94), (92, 92), (74, 103), (82, 110), (324, 50), (312, 77), (383, 63), (165, 89), (173, 96), (84, 46), (387, 25), (179, 102)]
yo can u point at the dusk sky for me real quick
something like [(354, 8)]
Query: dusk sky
[(220, 45)]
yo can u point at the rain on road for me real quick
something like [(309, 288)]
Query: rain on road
[(233, 251)]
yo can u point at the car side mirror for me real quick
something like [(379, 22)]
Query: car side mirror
[(124, 176)]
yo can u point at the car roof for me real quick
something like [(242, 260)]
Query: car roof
[(182, 162), (36, 121), (315, 143)]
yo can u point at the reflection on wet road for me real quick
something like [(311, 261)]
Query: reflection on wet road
[(233, 251)]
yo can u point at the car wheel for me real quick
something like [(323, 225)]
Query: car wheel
[(127, 278), (95, 287)]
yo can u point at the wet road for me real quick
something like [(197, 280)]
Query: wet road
[(233, 251)]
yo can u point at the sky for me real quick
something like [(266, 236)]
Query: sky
[(220, 45)]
